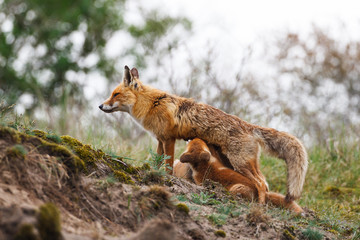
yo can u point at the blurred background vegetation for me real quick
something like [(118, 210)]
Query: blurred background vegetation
[(56, 65)]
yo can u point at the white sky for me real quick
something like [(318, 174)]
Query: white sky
[(244, 21), (229, 26)]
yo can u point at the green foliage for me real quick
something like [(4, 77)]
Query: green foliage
[(49, 223), (218, 218), (49, 48), (204, 199), (16, 151), (312, 234), (46, 30), (157, 162), (229, 209), (181, 198)]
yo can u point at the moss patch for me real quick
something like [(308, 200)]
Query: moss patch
[(123, 177), (49, 224), (83, 151), (26, 232), (287, 235), (182, 207), (220, 233), (69, 159), (39, 133), (9, 134)]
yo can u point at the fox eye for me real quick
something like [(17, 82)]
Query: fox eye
[(116, 94)]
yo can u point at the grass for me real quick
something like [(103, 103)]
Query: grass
[(331, 189), (204, 199), (332, 184), (311, 234)]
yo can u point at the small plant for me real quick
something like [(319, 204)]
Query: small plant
[(218, 219), (110, 180), (204, 199), (181, 198), (157, 162), (17, 151), (311, 234), (229, 209)]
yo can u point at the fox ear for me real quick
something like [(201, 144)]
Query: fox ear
[(127, 76), (134, 73), (205, 156), (185, 157)]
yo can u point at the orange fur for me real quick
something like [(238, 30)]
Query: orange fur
[(239, 143), (204, 165), (182, 170)]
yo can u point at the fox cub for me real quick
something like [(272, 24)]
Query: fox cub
[(203, 165)]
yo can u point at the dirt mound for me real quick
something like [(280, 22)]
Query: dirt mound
[(59, 187)]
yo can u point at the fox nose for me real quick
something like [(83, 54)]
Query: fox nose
[(101, 106)]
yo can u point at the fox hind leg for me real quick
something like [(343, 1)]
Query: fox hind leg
[(245, 191), (245, 160)]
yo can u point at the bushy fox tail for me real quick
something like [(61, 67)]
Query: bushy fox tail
[(290, 149), (279, 201)]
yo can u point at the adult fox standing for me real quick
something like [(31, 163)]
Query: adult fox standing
[(170, 117)]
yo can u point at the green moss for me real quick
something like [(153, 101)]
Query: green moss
[(70, 160), (130, 169), (39, 133), (145, 166), (333, 231), (16, 151), (10, 134), (123, 177), (287, 235), (70, 141), (26, 232), (49, 224), (220, 233), (182, 207), (83, 151)]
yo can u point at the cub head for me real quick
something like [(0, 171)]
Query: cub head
[(197, 152), (123, 97)]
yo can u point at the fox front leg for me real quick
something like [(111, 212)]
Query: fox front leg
[(169, 149)]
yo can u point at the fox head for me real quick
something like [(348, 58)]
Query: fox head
[(197, 153), (124, 95)]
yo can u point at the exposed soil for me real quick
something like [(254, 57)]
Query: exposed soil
[(59, 187)]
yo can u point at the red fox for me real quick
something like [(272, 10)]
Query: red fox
[(204, 165), (171, 117)]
